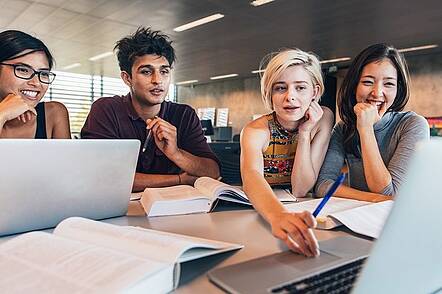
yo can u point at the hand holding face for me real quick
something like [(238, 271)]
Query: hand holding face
[(165, 136), (14, 106), (296, 230), (312, 117), (367, 114)]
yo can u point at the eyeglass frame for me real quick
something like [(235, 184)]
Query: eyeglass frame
[(35, 72)]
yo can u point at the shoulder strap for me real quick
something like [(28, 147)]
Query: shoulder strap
[(40, 132)]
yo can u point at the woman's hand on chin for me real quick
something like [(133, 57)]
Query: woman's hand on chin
[(14, 106), (311, 119)]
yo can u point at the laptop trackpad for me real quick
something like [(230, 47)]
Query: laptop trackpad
[(296, 262), (261, 274), (264, 273)]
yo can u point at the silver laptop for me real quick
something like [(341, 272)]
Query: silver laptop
[(44, 181), (407, 258)]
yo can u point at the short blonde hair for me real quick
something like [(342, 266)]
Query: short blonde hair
[(275, 63)]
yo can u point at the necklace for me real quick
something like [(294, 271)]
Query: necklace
[(283, 132)]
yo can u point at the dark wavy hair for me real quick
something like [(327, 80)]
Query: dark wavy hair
[(347, 92), (13, 43), (143, 41)]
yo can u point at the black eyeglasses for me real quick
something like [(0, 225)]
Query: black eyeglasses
[(26, 72)]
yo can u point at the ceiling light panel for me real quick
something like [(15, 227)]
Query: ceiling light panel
[(186, 82), (199, 22), (71, 66), (101, 56), (260, 2), (224, 76), (333, 60), (418, 48)]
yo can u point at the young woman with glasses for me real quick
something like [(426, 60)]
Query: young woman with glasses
[(25, 75)]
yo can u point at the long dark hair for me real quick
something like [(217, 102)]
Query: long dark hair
[(13, 43), (347, 92)]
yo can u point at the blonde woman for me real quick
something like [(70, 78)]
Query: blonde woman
[(288, 145)]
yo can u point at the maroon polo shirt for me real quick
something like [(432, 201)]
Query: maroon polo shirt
[(115, 118)]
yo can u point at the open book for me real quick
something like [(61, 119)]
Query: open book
[(361, 217), (85, 256), (203, 197)]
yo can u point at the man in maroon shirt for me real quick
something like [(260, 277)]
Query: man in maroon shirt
[(177, 151)]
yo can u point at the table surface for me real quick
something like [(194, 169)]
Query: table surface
[(229, 223)]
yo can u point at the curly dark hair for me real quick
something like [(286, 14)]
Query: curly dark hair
[(347, 92), (13, 43), (143, 41)]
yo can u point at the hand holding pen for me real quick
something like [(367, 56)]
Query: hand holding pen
[(330, 193), (148, 136), (165, 136)]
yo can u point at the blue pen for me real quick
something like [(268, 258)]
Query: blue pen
[(330, 192)]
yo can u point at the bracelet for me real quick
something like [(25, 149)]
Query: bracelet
[(179, 179)]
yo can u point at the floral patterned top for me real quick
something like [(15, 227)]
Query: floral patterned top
[(280, 154)]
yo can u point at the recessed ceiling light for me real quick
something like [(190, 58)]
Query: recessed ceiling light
[(187, 82), (418, 48), (322, 61), (71, 66), (198, 22), (224, 76), (335, 60), (101, 56), (260, 2)]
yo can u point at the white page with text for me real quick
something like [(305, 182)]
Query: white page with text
[(54, 262), (145, 243), (181, 192), (334, 204), (214, 187), (367, 220)]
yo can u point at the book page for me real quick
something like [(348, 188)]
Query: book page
[(42, 262), (136, 196), (180, 192), (217, 189), (334, 204), (367, 220), (209, 186), (145, 243)]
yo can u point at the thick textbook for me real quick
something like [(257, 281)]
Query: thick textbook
[(86, 256), (361, 217), (203, 197)]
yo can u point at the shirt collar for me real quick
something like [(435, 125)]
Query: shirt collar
[(130, 108)]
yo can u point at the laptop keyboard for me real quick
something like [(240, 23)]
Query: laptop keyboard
[(337, 280)]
